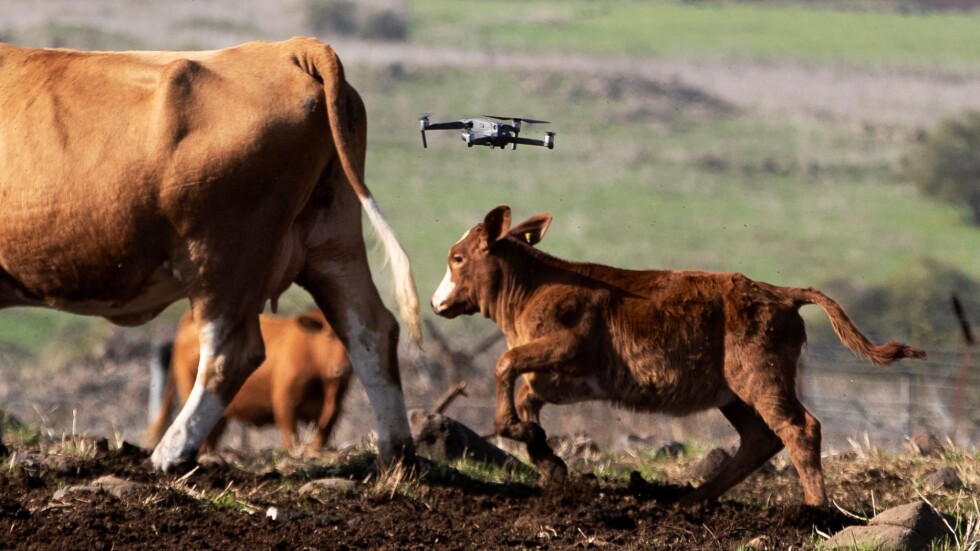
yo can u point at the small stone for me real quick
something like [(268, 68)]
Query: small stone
[(331, 485), (761, 543), (944, 478), (116, 486), (925, 444), (278, 515), (275, 514), (710, 464), (57, 464)]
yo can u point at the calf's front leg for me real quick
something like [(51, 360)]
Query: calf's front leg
[(539, 356)]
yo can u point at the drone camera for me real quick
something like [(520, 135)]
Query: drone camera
[(549, 140)]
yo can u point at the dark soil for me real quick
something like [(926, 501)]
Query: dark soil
[(221, 506)]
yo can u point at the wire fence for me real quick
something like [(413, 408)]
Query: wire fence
[(940, 395)]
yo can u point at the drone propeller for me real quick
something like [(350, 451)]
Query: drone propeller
[(516, 119)]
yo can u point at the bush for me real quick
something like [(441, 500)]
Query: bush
[(946, 162)]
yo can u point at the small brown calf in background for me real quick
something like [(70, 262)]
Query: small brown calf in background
[(305, 376)]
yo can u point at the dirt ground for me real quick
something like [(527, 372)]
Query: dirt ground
[(48, 501)]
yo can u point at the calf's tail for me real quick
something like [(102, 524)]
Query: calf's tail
[(849, 335)]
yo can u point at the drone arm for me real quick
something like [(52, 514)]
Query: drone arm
[(549, 142), (455, 125)]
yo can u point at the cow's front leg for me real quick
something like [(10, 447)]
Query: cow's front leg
[(230, 352), (546, 355)]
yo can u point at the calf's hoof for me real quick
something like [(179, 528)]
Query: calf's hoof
[(553, 471), (695, 499)]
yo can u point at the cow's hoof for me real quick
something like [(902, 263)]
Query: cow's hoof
[(397, 453), (176, 467), (167, 461)]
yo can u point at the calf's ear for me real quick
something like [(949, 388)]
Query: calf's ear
[(533, 229), (496, 223)]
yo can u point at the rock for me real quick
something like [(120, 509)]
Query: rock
[(315, 488), (710, 464), (440, 437), (909, 527), (879, 538), (925, 444), (760, 543), (278, 515), (918, 517), (944, 478), (57, 464), (116, 487)]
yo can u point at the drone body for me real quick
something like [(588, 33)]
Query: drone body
[(487, 131)]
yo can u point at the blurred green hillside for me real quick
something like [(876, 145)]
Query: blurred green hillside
[(766, 138)]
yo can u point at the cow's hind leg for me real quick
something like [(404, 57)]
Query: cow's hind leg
[(758, 443), (230, 350), (211, 442), (340, 283)]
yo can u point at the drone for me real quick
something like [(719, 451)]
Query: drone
[(487, 131)]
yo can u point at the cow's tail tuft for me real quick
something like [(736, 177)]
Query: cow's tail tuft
[(324, 61), (851, 337)]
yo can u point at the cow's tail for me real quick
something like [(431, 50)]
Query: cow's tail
[(324, 64), (850, 336), (156, 428)]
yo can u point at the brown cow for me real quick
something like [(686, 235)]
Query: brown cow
[(305, 376), (660, 340), (132, 179)]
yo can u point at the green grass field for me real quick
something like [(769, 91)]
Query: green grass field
[(642, 177), (757, 31)]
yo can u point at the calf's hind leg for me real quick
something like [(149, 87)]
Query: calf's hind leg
[(758, 443), (772, 394)]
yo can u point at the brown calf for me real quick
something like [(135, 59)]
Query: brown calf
[(667, 341), (305, 376)]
